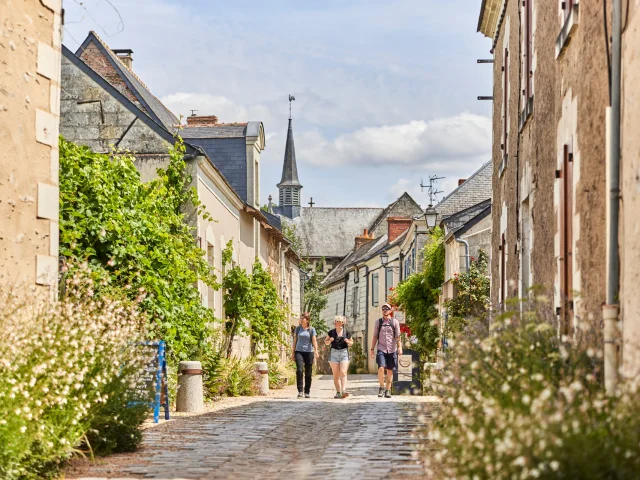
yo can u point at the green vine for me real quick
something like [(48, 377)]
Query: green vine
[(137, 239), (418, 296)]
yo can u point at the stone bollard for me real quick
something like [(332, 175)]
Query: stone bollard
[(263, 371), (190, 395)]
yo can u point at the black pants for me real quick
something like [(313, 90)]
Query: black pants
[(304, 359)]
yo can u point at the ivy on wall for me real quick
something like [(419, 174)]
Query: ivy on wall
[(418, 296), (136, 239)]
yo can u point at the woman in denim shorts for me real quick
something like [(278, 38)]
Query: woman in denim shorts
[(340, 340)]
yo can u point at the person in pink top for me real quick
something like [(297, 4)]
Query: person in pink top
[(386, 337)]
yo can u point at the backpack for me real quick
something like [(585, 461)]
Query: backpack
[(380, 321)]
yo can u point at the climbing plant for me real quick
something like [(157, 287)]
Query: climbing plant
[(418, 296), (472, 296), (137, 239), (252, 306)]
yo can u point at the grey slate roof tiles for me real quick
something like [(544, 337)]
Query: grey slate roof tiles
[(331, 232), (476, 189), (221, 130), (289, 167)]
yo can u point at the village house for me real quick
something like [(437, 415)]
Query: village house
[(359, 285), (556, 161), (105, 105), (29, 112)]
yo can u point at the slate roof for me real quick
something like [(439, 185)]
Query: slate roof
[(459, 219), (221, 130), (476, 189), (289, 167), (151, 105), (361, 254), (331, 232)]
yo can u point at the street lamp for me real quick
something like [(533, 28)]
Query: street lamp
[(431, 217), (384, 260)]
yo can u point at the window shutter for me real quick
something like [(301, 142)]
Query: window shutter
[(566, 239), (528, 70), (503, 273)]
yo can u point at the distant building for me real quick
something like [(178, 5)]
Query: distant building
[(359, 285)]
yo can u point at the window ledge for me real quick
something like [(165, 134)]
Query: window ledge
[(570, 24), (503, 165), (526, 113)]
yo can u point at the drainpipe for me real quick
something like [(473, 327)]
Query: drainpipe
[(344, 305), (466, 252), (611, 309), (365, 343)]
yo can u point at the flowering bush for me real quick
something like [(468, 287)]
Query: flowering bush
[(520, 402), (63, 367)]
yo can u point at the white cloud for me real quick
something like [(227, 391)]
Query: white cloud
[(463, 137), (227, 111)]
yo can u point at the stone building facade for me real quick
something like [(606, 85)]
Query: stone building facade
[(551, 148), (29, 112), (110, 107)]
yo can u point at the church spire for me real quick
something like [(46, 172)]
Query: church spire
[(289, 185)]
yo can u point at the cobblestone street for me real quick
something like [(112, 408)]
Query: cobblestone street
[(280, 437)]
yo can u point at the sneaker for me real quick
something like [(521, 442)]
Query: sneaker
[(338, 395), (381, 392), (306, 395), (387, 394), (345, 394), (299, 394)]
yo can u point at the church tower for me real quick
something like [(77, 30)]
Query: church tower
[(289, 185)]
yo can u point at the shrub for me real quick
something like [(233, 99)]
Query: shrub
[(521, 402), (358, 362), (281, 374), (231, 377), (65, 367)]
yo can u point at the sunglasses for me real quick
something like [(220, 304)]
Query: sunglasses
[(385, 309)]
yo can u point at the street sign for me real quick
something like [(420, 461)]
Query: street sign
[(407, 377)]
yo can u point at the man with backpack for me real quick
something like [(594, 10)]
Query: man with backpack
[(386, 337)]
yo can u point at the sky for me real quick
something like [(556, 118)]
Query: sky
[(386, 91)]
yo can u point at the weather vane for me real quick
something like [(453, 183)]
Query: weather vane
[(291, 99), (431, 188)]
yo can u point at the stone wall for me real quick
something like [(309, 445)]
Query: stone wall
[(91, 116), (30, 43)]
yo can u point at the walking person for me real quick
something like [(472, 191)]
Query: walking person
[(340, 340), (386, 337), (305, 349)]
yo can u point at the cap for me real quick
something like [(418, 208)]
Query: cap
[(386, 305)]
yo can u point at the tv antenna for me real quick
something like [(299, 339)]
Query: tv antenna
[(431, 188), (193, 113), (291, 99)]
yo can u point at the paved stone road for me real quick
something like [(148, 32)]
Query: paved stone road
[(361, 436)]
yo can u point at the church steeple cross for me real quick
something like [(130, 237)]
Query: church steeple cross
[(311, 202)]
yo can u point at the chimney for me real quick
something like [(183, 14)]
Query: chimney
[(202, 120), (125, 56), (362, 239), (461, 181), (397, 226)]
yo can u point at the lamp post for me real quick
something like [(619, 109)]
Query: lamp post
[(384, 260), (431, 217)]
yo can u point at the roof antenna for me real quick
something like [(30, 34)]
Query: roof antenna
[(431, 188), (193, 113), (291, 99)]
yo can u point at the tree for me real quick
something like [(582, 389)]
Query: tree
[(315, 301), (472, 296)]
